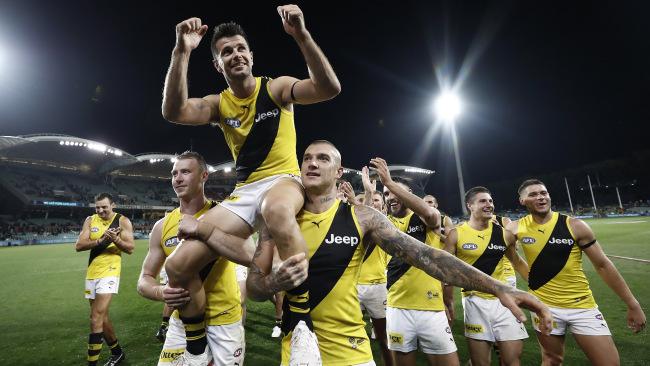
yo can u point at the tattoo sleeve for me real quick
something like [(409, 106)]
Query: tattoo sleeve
[(259, 283), (436, 263)]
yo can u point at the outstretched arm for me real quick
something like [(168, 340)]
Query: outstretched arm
[(176, 106), (430, 215), (444, 266), (322, 83), (636, 319)]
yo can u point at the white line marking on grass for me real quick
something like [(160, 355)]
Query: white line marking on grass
[(629, 258), (624, 222)]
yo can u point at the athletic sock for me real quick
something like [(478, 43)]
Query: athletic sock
[(165, 321), (195, 334), (94, 348), (116, 350), (297, 308)]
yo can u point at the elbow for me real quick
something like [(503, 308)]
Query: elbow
[(334, 89), (77, 247), (140, 287), (169, 114)]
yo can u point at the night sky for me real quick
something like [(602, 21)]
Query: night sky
[(546, 86)]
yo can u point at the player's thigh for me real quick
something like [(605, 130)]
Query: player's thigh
[(101, 304), (434, 334), (227, 222), (401, 331), (480, 351), (600, 349), (405, 358), (285, 193), (552, 347), (450, 359), (191, 254)]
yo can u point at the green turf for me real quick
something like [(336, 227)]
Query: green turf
[(45, 318)]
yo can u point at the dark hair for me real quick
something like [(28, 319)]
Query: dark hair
[(529, 182), (222, 30), (196, 156), (469, 195), (381, 194), (102, 195), (404, 181)]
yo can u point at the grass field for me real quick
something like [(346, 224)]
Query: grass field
[(45, 317)]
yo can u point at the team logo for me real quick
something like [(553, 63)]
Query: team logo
[(317, 223), (561, 241), (431, 295), (232, 122), (349, 240), (448, 330), (94, 229), (171, 242), (528, 240), (355, 342), (237, 353), (415, 229), (264, 115), (232, 198), (599, 316), (470, 246)]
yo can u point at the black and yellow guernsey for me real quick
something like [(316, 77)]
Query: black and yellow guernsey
[(260, 134), (484, 250), (555, 259), (104, 260), (336, 252), (508, 269), (410, 287)]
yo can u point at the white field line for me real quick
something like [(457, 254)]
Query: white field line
[(629, 258), (624, 222)]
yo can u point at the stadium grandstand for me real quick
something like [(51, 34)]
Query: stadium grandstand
[(48, 181)]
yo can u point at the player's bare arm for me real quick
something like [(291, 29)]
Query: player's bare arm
[(148, 286), (123, 236), (518, 263), (369, 186), (229, 246), (177, 107), (636, 319), (428, 214), (448, 290), (322, 83), (264, 279), (83, 241), (445, 267)]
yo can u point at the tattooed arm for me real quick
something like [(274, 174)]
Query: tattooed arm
[(264, 280), (444, 266)]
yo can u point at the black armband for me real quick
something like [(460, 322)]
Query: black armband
[(293, 97), (583, 247)]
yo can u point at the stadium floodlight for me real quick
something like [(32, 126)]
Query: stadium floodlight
[(96, 146), (448, 106), (61, 142), (173, 160), (227, 169), (118, 153)]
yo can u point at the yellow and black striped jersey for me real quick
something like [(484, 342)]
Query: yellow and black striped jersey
[(373, 270), (260, 133), (336, 252), (556, 276), (508, 269), (483, 249), (103, 262), (223, 299), (410, 287)]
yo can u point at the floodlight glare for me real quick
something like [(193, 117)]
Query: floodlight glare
[(447, 106), (227, 169)]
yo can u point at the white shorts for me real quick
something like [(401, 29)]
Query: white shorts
[(579, 321), (106, 285), (226, 343), (488, 320), (163, 276), (408, 328), (246, 201), (241, 272), (373, 299)]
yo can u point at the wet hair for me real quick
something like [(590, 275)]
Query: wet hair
[(196, 156), (529, 182), (469, 195), (102, 195), (222, 30)]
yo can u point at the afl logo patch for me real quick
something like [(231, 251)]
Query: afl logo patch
[(171, 242), (470, 246), (528, 240), (94, 229), (232, 122)]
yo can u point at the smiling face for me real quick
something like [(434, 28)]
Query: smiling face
[(536, 199), (395, 206), (188, 178), (481, 206), (104, 208), (320, 168), (234, 59)]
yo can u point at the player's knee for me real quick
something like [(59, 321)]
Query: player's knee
[(174, 267), (552, 358), (277, 215)]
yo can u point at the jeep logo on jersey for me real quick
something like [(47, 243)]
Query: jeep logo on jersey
[(497, 247), (264, 115), (232, 122), (415, 229), (349, 240), (470, 246), (171, 242), (528, 240), (561, 241)]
